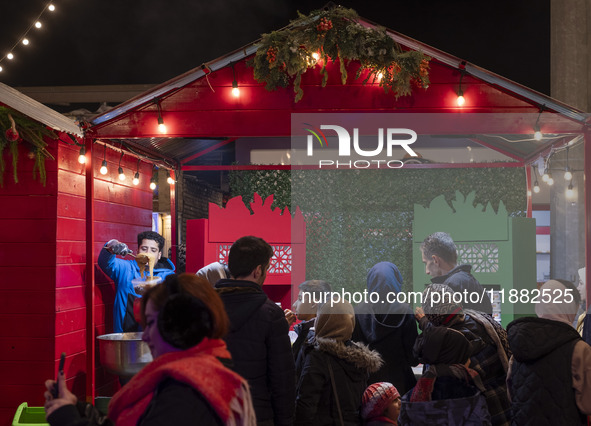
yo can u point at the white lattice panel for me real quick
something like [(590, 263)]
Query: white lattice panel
[(483, 257)]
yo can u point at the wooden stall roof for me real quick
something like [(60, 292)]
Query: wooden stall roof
[(37, 111), (200, 112)]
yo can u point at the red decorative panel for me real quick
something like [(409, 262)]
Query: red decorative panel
[(209, 240)]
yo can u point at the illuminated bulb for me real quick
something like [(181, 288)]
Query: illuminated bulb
[(0, 69), (51, 7), (316, 56), (152, 185), (536, 187), (379, 76), (169, 179), (121, 174), (103, 169), (568, 174), (545, 177), (82, 156), (570, 191), (538, 135), (136, 178), (38, 24), (461, 99), (10, 56), (550, 181), (161, 125), (26, 41), (235, 89)]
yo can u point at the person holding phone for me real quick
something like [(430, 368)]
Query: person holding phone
[(187, 382)]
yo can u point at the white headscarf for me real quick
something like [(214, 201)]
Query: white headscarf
[(561, 306)]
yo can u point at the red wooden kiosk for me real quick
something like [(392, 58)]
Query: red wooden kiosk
[(63, 301)]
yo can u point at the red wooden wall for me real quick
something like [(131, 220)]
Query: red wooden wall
[(42, 301)]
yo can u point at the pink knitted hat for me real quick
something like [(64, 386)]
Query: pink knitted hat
[(376, 398)]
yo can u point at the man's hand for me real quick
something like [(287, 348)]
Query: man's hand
[(118, 248), (65, 397), (419, 313), (290, 317)]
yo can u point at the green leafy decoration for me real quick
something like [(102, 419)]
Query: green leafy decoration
[(336, 34), (355, 219), (30, 132)]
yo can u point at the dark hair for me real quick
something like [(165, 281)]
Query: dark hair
[(151, 235), (315, 287), (575, 291), (189, 310), (440, 244), (246, 254)]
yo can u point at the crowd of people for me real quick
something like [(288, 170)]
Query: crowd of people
[(224, 353)]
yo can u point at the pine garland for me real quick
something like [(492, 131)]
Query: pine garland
[(335, 34), (28, 131)]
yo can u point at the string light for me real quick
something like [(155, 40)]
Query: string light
[(161, 126), (103, 170), (568, 175), (154, 179), (82, 155), (120, 169), (169, 179), (136, 177), (570, 192), (536, 185), (550, 181), (460, 99), (24, 40), (235, 89), (538, 135)]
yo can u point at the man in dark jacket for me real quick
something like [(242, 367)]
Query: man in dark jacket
[(440, 257), (258, 339)]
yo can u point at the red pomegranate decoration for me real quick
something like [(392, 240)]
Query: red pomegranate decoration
[(12, 134)]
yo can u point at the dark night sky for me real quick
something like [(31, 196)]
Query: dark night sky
[(150, 41)]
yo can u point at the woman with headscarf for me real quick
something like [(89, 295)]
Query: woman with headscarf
[(334, 375), (449, 392), (388, 328), (550, 357), (489, 347), (187, 382)]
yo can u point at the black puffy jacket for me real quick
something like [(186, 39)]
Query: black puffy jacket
[(261, 350)]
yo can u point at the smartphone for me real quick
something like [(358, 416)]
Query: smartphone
[(55, 391)]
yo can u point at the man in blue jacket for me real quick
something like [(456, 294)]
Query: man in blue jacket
[(258, 339), (122, 271)]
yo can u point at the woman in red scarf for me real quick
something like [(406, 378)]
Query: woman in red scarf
[(184, 321)]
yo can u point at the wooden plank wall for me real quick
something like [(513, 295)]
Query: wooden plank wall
[(42, 268), (122, 210), (27, 283)]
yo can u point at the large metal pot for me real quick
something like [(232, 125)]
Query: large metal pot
[(123, 354)]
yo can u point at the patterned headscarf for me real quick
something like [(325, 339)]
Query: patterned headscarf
[(440, 308)]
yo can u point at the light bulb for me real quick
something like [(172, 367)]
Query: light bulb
[(152, 185), (0, 69), (170, 180), (235, 89), (570, 192), (10, 56), (51, 7), (379, 76), (161, 125), (538, 135), (104, 169), (536, 187), (121, 174), (82, 156), (316, 56), (136, 178), (568, 174), (545, 177), (26, 41), (461, 100), (38, 24), (550, 181)]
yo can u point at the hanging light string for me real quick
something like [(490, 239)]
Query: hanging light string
[(24, 39)]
